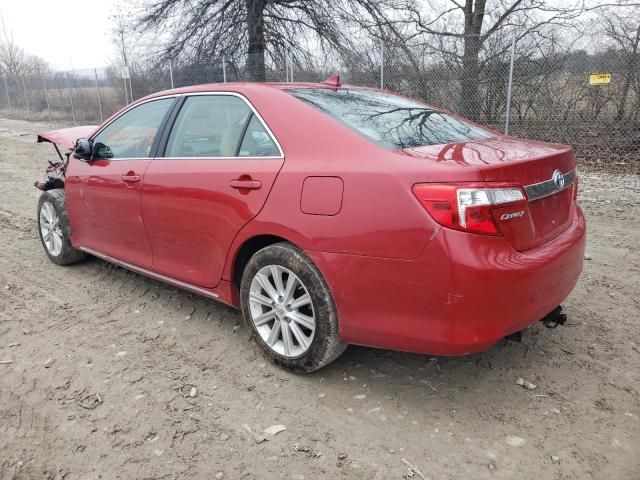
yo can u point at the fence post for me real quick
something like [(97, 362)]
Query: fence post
[(6, 88), (224, 69), (381, 63), (95, 71), (126, 91), (290, 62), (46, 96), (26, 98), (130, 87), (508, 113), (73, 110), (171, 73)]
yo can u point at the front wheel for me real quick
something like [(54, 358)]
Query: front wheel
[(289, 310), (54, 229)]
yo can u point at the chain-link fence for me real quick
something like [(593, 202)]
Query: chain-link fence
[(591, 101)]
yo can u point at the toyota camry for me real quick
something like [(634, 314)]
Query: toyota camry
[(328, 214)]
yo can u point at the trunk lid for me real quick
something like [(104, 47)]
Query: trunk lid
[(528, 164)]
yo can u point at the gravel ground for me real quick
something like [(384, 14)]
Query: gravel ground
[(107, 374)]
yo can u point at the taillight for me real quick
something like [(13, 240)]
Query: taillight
[(575, 187), (465, 207)]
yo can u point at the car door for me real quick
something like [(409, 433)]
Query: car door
[(214, 176), (103, 194)]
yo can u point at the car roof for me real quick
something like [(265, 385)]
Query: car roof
[(265, 89), (242, 87)]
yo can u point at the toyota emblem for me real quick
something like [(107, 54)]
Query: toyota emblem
[(558, 179)]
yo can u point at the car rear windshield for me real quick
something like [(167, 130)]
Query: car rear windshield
[(390, 121)]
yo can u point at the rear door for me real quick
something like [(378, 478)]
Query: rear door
[(214, 176), (103, 195)]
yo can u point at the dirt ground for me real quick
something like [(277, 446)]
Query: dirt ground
[(98, 364)]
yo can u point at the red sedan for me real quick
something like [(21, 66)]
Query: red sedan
[(330, 215)]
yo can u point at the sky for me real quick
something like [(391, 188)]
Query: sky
[(65, 33)]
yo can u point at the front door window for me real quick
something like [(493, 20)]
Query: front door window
[(132, 134)]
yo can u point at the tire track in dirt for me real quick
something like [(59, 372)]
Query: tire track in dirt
[(121, 283)]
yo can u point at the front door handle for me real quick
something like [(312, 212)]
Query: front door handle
[(242, 184), (130, 178)]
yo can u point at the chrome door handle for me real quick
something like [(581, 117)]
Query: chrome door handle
[(131, 178), (246, 184)]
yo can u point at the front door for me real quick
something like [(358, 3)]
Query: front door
[(214, 176), (104, 193)]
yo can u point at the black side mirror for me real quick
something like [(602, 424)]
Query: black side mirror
[(83, 149), (100, 150)]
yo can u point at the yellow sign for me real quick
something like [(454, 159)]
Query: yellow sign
[(600, 78)]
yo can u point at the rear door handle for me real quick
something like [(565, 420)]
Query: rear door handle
[(246, 184), (130, 178)]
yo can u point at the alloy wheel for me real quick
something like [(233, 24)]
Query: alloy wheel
[(50, 229), (282, 311)]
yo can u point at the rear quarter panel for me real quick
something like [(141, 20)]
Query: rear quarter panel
[(379, 216)]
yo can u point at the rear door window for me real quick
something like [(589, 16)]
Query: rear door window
[(391, 121), (219, 126), (208, 126), (257, 142)]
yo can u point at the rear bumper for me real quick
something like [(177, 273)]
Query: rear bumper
[(460, 296)]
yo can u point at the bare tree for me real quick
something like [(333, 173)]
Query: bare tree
[(13, 59), (458, 30), (622, 28), (259, 28), (120, 32)]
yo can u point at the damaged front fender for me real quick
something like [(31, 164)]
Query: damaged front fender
[(64, 139)]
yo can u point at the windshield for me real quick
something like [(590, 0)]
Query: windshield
[(388, 120)]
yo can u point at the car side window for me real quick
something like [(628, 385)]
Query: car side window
[(131, 135), (208, 126), (257, 142)]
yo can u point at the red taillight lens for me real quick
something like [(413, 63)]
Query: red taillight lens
[(465, 207), (479, 219), (575, 187)]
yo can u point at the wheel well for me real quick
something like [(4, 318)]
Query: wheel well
[(247, 250)]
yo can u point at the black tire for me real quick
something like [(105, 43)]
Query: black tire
[(326, 345), (67, 254)]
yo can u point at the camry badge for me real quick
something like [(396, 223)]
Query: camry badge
[(558, 179), (509, 216)]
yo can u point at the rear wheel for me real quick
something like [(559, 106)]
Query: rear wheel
[(54, 229), (289, 310)]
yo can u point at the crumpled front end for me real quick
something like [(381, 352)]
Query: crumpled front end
[(64, 139)]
